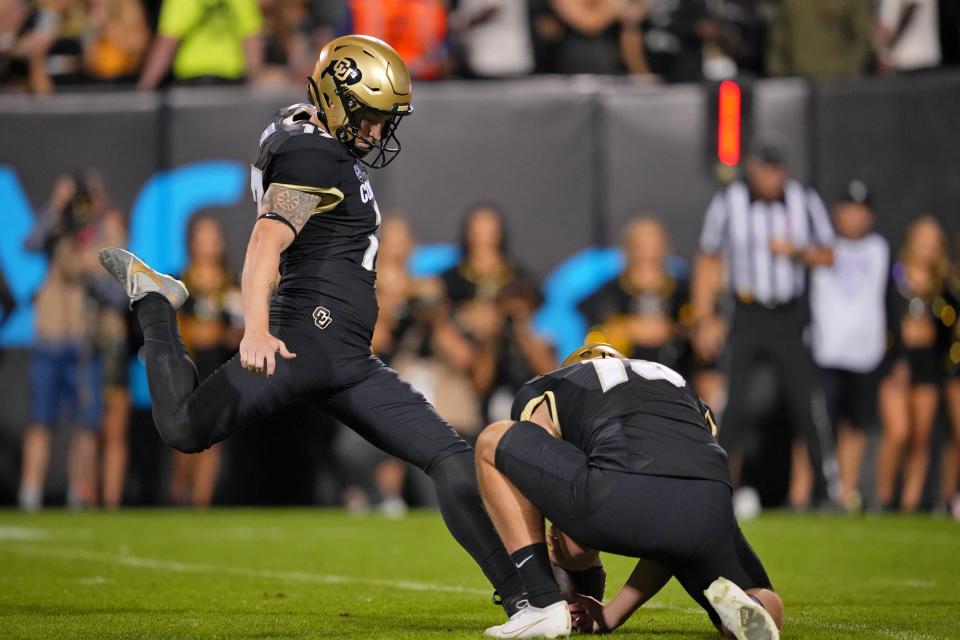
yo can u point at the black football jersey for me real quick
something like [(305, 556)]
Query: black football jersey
[(298, 153), (629, 415)]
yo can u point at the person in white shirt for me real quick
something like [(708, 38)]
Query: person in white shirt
[(909, 34), (851, 325)]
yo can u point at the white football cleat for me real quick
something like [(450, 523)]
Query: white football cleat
[(740, 614), (138, 279), (533, 622)]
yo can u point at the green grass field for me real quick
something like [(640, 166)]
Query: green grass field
[(322, 574)]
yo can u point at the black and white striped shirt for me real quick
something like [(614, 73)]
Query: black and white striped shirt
[(742, 228)]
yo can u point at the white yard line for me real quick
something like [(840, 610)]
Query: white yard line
[(217, 570), (867, 628), (23, 534)]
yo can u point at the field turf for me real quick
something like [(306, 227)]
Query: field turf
[(323, 574)]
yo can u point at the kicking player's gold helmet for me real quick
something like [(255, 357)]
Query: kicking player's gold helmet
[(592, 351), (355, 75)]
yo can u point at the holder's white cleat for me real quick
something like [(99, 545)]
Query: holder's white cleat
[(533, 622), (138, 279), (740, 614)]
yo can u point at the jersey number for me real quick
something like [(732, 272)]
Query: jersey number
[(613, 371)]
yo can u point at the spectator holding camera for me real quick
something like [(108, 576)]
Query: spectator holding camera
[(66, 378), (492, 301), (518, 352)]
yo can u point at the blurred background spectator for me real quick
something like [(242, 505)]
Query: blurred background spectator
[(66, 376), (851, 331), (908, 32), (67, 44), (671, 36), (115, 40), (920, 276), (645, 311), (206, 42), (293, 33), (211, 323), (417, 29), (494, 37), (742, 38), (579, 36), (113, 342), (820, 38)]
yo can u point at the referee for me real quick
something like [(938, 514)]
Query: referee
[(763, 233)]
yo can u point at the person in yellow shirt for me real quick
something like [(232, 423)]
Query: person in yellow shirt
[(206, 42)]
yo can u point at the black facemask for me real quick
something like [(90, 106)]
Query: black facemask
[(383, 150)]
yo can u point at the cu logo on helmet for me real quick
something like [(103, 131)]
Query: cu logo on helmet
[(344, 70), (322, 317)]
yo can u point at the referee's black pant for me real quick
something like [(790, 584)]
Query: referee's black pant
[(774, 337)]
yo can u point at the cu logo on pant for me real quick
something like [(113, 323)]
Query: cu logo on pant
[(322, 317)]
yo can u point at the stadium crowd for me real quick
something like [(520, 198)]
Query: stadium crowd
[(882, 429), (48, 45)]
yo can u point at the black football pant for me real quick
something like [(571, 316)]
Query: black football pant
[(773, 337), (685, 524), (335, 371)]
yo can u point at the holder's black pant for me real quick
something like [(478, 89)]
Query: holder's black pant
[(685, 524)]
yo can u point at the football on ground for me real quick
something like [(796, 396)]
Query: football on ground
[(321, 574)]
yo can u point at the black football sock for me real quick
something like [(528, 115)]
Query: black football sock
[(455, 479), (533, 565), (510, 593)]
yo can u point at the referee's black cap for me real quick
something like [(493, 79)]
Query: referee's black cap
[(856, 192), (769, 149)]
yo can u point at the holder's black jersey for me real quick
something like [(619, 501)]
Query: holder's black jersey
[(300, 154), (629, 415)]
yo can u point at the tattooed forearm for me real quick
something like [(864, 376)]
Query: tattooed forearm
[(294, 206)]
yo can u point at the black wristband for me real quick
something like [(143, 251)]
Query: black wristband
[(279, 218)]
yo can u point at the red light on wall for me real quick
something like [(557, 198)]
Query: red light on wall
[(728, 123)]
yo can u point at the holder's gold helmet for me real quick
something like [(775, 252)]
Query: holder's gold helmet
[(592, 351), (354, 76)]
